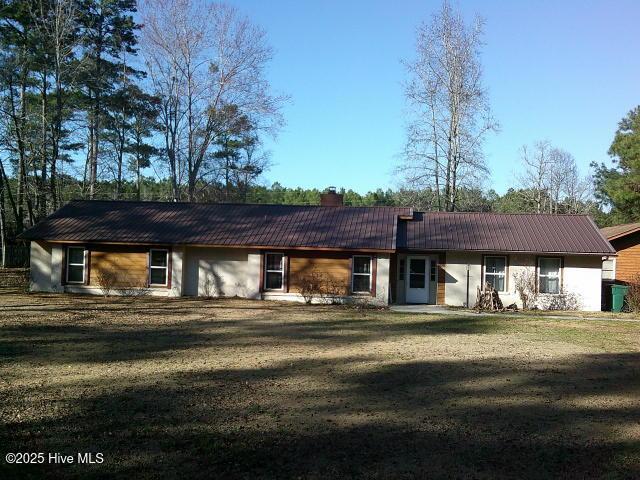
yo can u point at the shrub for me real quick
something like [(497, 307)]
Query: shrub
[(317, 284), (128, 287), (561, 301), (209, 288), (107, 280), (632, 299), (525, 283)]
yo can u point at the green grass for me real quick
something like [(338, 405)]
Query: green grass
[(245, 389)]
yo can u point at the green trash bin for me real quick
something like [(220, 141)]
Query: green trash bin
[(617, 297)]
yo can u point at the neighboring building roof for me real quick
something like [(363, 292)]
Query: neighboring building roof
[(618, 231), (493, 232), (278, 226)]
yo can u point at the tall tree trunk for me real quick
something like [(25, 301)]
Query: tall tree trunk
[(3, 228), (44, 160)]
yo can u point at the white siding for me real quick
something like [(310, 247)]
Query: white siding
[(220, 272), (40, 267), (382, 279), (177, 277), (581, 276), (254, 264), (456, 277), (57, 268)]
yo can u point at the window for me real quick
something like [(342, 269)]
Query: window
[(361, 275), (417, 272), (401, 270), (434, 270), (158, 267), (75, 264), (273, 271), (549, 275), (608, 269), (495, 272)]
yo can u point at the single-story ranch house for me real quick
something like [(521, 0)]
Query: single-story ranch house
[(380, 255)]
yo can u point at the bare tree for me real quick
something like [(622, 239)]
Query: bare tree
[(207, 65), (550, 180), (449, 111), (534, 177)]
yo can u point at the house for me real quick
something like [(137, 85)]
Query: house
[(625, 239), (380, 255)]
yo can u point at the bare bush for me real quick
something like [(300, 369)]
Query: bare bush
[(525, 284), (129, 287), (632, 298), (561, 301), (209, 288), (107, 280), (320, 285)]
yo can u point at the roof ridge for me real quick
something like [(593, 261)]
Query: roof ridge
[(164, 202), (507, 213)]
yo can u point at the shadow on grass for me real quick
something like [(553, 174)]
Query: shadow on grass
[(462, 419), (113, 342), (367, 415)]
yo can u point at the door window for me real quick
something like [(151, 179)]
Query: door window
[(417, 273)]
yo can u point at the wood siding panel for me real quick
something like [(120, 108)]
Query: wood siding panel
[(130, 267), (628, 261), (336, 268)]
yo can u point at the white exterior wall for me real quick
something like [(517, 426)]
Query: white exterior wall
[(40, 270), (383, 266), (57, 257), (177, 277), (219, 272), (581, 276), (455, 278), (254, 265)]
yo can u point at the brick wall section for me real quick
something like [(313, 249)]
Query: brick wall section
[(14, 277)]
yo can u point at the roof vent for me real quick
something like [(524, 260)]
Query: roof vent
[(330, 198)]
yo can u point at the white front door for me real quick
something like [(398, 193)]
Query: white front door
[(417, 280)]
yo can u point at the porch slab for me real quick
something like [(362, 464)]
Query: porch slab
[(422, 308)]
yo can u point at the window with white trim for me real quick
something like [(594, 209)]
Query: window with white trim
[(158, 267), (361, 274), (608, 269), (75, 264), (273, 271), (549, 274), (495, 272)]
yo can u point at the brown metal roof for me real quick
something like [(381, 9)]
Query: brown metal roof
[(494, 232), (292, 226), (618, 231), (278, 226)]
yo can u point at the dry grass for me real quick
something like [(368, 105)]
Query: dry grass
[(232, 388)]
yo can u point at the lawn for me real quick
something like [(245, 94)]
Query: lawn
[(246, 389)]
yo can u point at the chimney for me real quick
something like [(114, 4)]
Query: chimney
[(330, 198)]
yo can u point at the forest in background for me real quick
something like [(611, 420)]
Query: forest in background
[(169, 100)]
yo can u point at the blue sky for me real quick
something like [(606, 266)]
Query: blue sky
[(563, 71)]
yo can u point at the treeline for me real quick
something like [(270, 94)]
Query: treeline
[(470, 200), (91, 102), (94, 105)]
